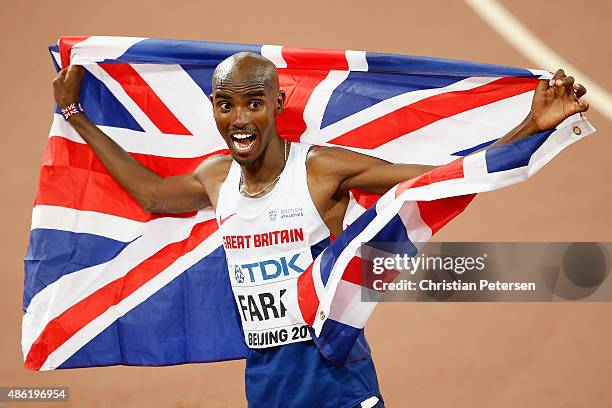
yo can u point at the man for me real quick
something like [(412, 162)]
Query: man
[(266, 249)]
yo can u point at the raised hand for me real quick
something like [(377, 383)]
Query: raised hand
[(556, 99), (67, 85)]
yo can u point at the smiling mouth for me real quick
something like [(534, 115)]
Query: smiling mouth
[(243, 142)]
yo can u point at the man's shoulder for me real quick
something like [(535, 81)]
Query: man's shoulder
[(214, 167), (322, 157), (335, 159)]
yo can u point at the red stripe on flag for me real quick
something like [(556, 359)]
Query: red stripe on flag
[(353, 271), (438, 213), (452, 170), (366, 200), (72, 176), (298, 85), (360, 271), (66, 325), (306, 68), (308, 301), (65, 45), (313, 58), (146, 98), (427, 111)]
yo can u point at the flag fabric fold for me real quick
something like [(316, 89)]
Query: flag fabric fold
[(107, 283), (331, 291)]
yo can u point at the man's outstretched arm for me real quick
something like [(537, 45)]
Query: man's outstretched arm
[(150, 190), (554, 100)]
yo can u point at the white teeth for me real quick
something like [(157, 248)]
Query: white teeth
[(243, 149), (241, 135)]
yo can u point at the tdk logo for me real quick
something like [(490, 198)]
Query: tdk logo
[(268, 269)]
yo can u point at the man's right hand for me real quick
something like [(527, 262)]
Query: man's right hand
[(67, 85)]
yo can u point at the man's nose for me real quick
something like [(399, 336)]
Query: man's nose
[(242, 117)]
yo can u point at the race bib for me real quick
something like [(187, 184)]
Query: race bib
[(259, 285)]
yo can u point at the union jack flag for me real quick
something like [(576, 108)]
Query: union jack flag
[(107, 283), (71, 109)]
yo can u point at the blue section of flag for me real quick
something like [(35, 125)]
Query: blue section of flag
[(175, 325), (317, 248), (393, 231), (52, 254), (201, 75), (364, 89), (465, 152), (337, 342), (410, 64), (102, 107), (516, 154), (52, 49), (331, 254), (152, 50)]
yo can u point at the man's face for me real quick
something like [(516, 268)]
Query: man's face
[(245, 106)]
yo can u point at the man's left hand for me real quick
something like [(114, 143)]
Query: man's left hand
[(557, 99)]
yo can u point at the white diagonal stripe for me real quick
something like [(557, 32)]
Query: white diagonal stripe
[(356, 60), (353, 211), (274, 53), (98, 48), (87, 222), (57, 58), (418, 232), (347, 307), (475, 166), (370, 402)]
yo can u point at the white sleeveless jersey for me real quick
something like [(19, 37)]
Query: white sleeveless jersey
[(268, 242)]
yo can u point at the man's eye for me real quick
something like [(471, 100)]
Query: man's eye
[(225, 106), (255, 104)]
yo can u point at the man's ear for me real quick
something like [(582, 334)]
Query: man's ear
[(280, 101)]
